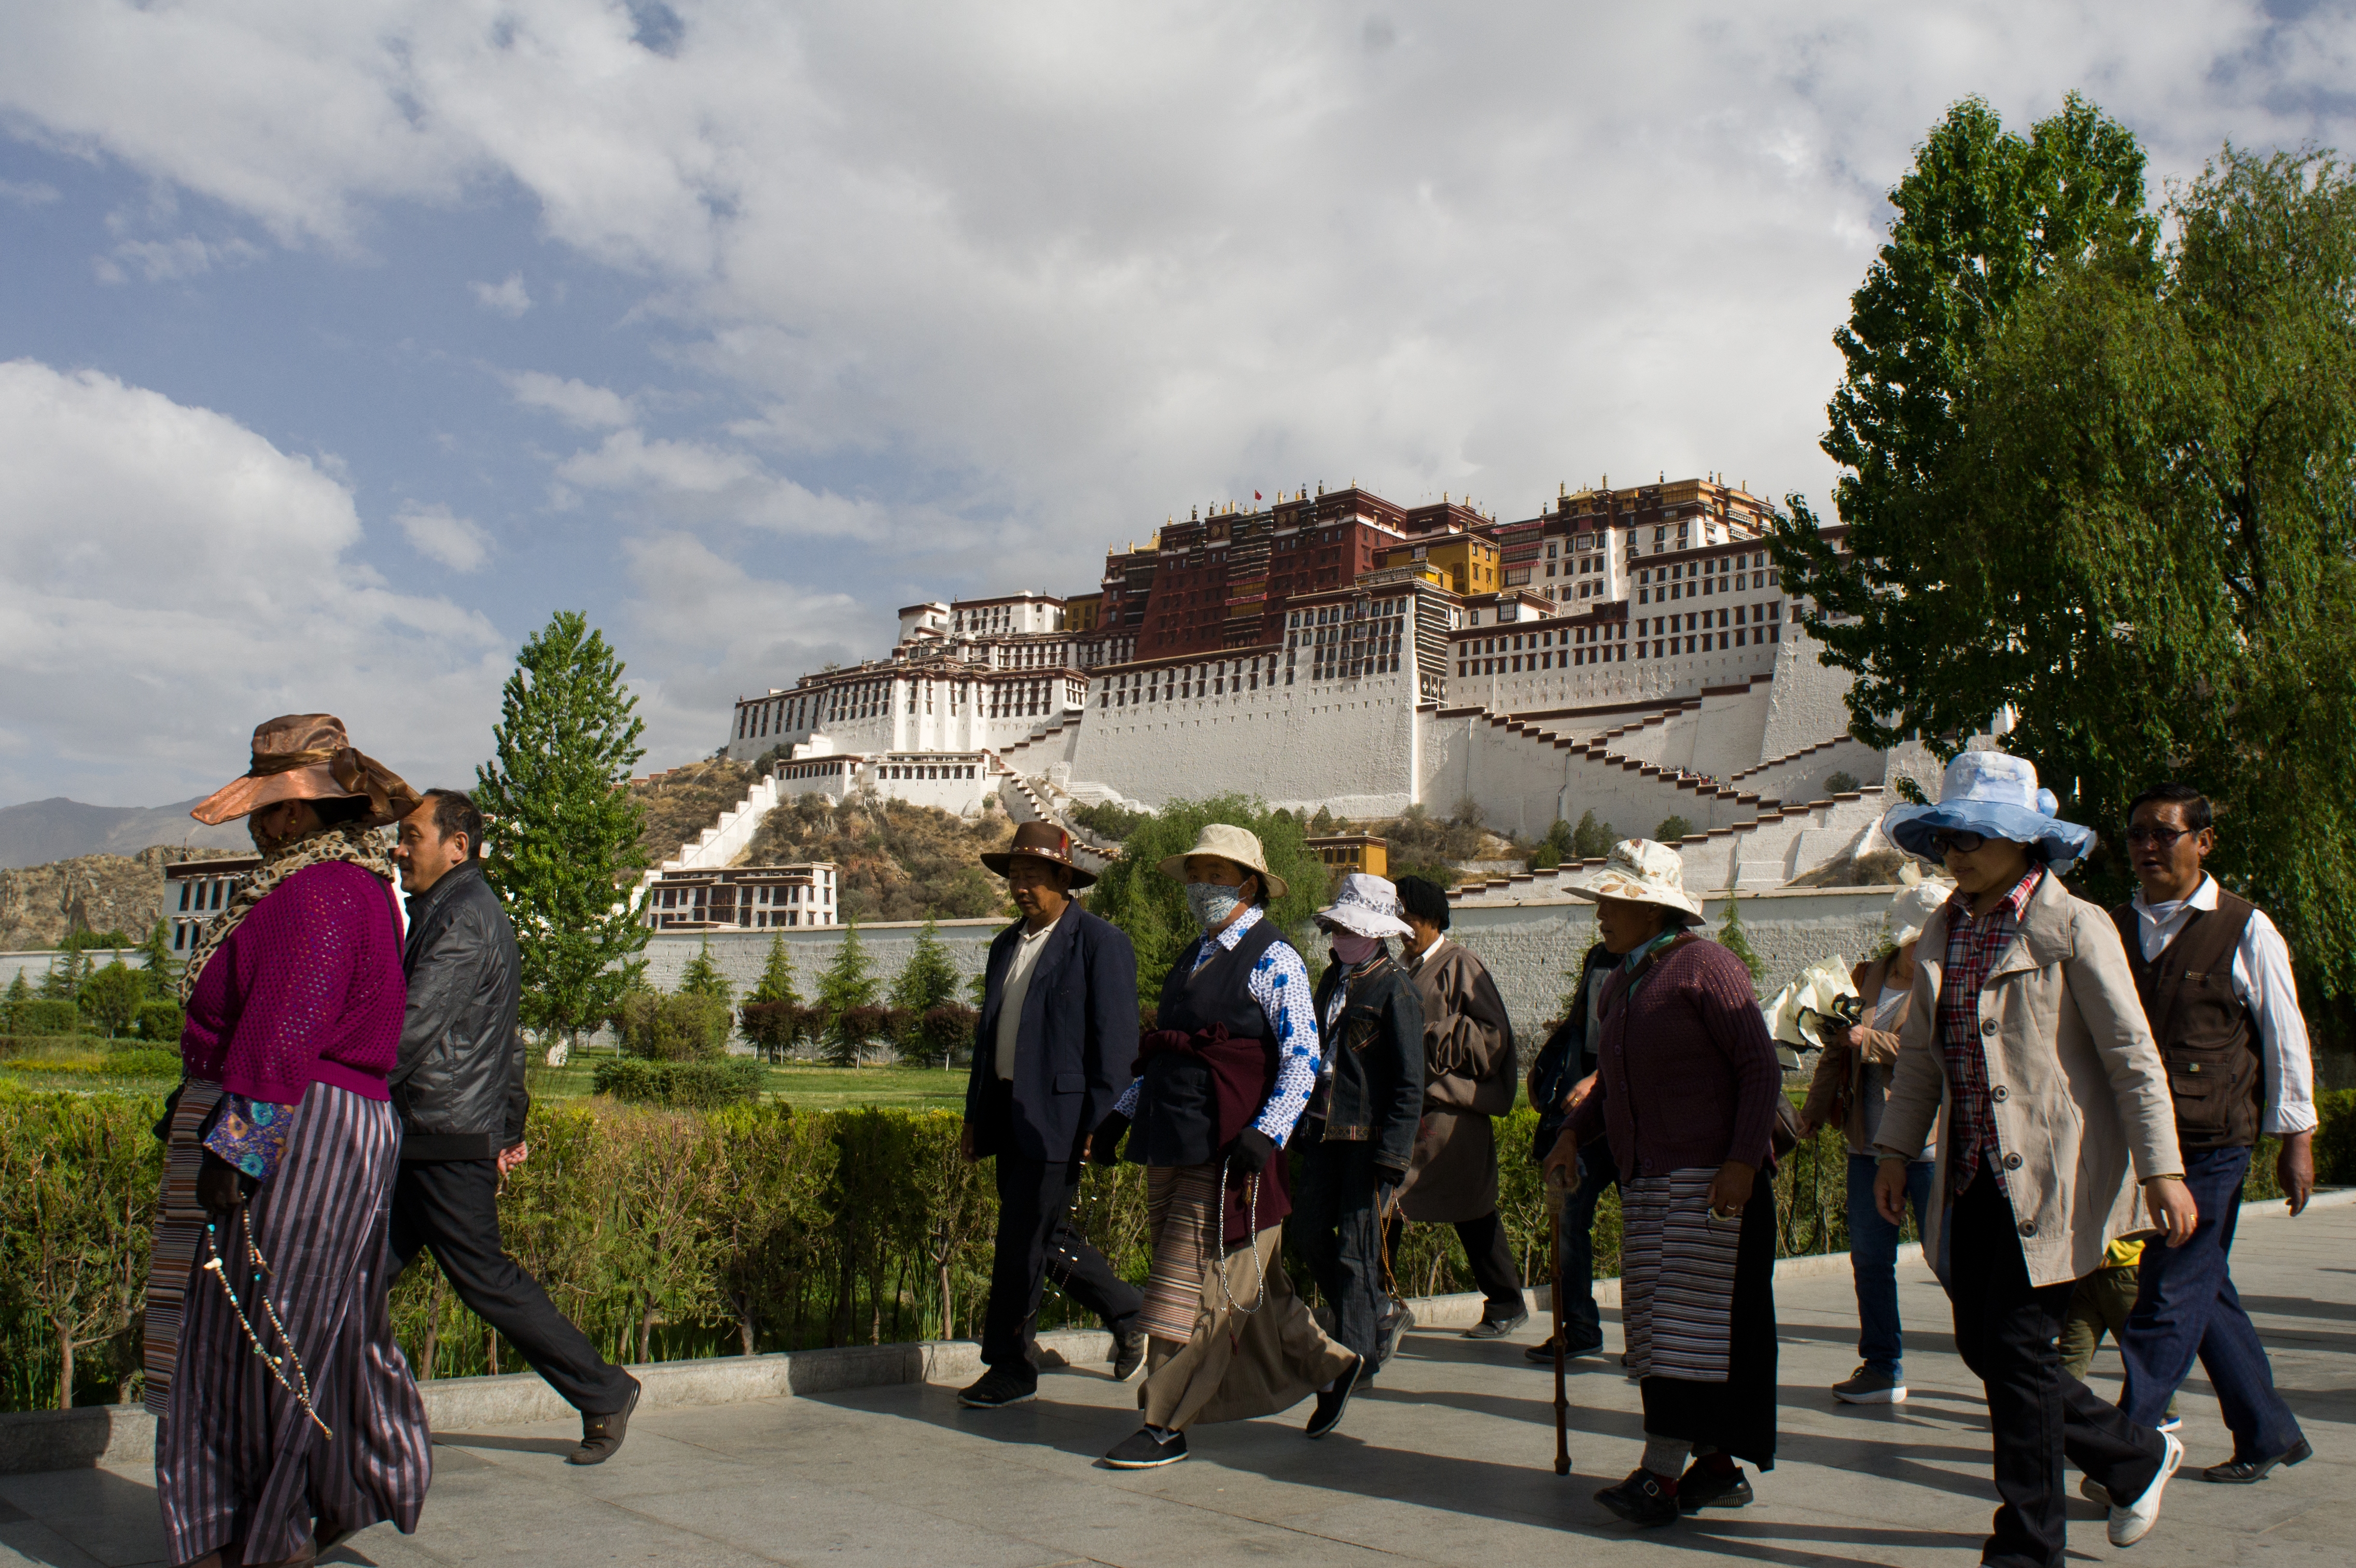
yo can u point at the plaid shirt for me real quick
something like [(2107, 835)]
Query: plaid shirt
[(1972, 947)]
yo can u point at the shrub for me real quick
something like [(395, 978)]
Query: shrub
[(851, 1030), (161, 1022), (947, 1031), (111, 996), (140, 1062), (48, 1015), (775, 1027), (673, 1028), (1672, 828), (1840, 784), (688, 1086)]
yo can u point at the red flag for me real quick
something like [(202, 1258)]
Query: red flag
[(1255, 495)]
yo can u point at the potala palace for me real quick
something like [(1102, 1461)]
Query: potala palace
[(1626, 651)]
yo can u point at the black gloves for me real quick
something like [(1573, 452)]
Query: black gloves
[(1252, 1150), (1387, 1181), (221, 1187), (1105, 1147)]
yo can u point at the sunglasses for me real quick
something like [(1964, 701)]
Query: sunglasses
[(2157, 838), (1952, 841)]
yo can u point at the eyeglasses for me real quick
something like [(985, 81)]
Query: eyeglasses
[(1949, 841), (2157, 838)]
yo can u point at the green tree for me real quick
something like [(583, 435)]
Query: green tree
[(1672, 829), (161, 970), (112, 996), (701, 978), (930, 977), (1735, 940), (777, 982), (1151, 908), (66, 974), (848, 986), (566, 838), (1982, 216), (1560, 843), (1593, 840), (12, 1006)]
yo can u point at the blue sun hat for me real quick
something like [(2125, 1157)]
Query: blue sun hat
[(1996, 796)]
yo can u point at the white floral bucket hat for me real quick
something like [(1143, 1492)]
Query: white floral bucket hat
[(1643, 873), (1367, 905)]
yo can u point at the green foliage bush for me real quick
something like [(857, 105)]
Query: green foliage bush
[(683, 1084), (47, 1015), (161, 1022), (1672, 829), (683, 1028)]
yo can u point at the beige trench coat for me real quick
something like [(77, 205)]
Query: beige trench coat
[(2080, 1093)]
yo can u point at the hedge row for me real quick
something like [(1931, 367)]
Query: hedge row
[(670, 1234)]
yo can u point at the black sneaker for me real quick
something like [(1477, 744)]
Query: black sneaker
[(1542, 1352), (1870, 1385), (998, 1388), (1334, 1401), (1496, 1328), (1701, 1486), (1642, 1498), (601, 1435), (1393, 1326), (1141, 1450), (1128, 1355)]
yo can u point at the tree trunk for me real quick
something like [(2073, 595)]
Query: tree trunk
[(65, 1370), (647, 1331), (491, 1348), (744, 1318), (949, 1304)]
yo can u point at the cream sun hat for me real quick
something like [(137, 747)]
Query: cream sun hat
[(1229, 843), (1641, 871)]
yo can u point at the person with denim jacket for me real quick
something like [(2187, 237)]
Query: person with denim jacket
[(1358, 1137)]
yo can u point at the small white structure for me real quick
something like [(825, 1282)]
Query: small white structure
[(741, 897), (195, 891)]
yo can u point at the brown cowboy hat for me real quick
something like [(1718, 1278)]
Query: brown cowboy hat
[(1040, 841), (307, 756)]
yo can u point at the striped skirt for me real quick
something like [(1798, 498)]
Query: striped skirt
[(237, 1457), (1697, 1309)]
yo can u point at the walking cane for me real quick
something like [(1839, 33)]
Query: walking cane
[(1555, 1198)]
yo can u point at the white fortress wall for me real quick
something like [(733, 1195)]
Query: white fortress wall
[(1728, 730), (1803, 777), (1523, 780), (1808, 703), (1649, 681), (1346, 744)]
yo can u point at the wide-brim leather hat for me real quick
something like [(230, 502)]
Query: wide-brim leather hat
[(307, 756), (1040, 841), (1229, 843)]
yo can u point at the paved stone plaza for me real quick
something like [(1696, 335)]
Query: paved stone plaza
[(1448, 1460)]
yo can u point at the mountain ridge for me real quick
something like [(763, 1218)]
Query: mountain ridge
[(40, 832)]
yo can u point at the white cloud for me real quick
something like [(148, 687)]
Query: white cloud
[(168, 579), (508, 299), (27, 193), (437, 535), (575, 402), (164, 260)]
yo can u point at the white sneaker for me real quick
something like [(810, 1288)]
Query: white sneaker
[(2132, 1523)]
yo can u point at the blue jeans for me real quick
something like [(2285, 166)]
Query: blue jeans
[(2186, 1307), (1873, 1259), (1582, 1325)]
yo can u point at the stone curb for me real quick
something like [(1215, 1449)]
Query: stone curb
[(114, 1435)]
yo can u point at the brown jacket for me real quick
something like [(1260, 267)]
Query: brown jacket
[(1469, 1076), (2081, 1097), (1839, 1082)]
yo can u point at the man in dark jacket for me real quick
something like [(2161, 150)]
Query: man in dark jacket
[(1360, 1125), (458, 1089), (1052, 1054), (1563, 1075)]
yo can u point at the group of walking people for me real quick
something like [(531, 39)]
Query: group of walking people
[(2066, 1099), (351, 1095)]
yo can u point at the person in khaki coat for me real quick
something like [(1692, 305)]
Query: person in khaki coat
[(2025, 1038)]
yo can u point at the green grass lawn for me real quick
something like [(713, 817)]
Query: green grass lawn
[(798, 1084)]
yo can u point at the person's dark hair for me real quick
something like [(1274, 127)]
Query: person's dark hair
[(1260, 887), (2197, 814), (1423, 899), (340, 809), (454, 812)]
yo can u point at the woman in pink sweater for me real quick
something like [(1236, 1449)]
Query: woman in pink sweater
[(287, 1419)]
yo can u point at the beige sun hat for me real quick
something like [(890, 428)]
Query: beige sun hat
[(1911, 910), (1229, 843), (1643, 873)]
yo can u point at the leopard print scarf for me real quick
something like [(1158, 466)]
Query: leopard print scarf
[(363, 847)]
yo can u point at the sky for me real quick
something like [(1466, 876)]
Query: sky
[(342, 344)]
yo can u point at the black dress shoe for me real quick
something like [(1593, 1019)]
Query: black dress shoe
[(1333, 1400), (1128, 1355), (998, 1389), (1701, 1486), (1496, 1328), (1543, 1351), (601, 1435), (1143, 1450), (2241, 1472), (1642, 1498)]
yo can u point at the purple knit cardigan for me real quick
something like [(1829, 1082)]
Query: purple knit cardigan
[(1687, 1076), (307, 989)]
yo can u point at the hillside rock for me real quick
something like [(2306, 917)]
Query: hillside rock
[(39, 905), (684, 801)]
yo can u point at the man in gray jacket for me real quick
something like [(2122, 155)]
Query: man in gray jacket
[(458, 1089)]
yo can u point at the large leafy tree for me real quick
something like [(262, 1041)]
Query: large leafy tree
[(1982, 216), (564, 838), (1151, 908)]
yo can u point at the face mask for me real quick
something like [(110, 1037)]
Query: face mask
[(1352, 948), (1211, 903)]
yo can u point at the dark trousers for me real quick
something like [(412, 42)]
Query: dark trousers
[(451, 1209), (2008, 1332), (2186, 1307), (1582, 1325), (1037, 1243), (1489, 1253), (1340, 1236)]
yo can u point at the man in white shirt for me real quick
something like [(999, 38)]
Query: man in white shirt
[(2215, 979), (1052, 1055)]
